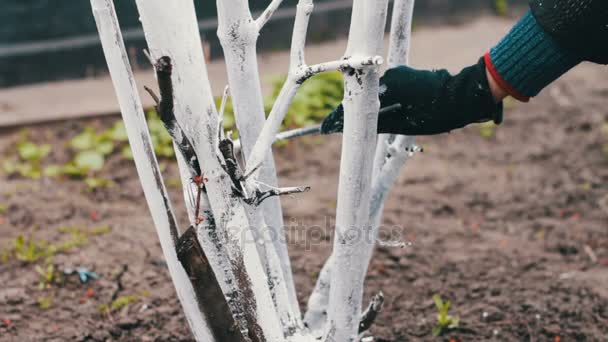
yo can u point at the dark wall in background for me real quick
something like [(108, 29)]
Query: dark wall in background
[(44, 40)]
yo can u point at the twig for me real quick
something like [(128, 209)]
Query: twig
[(118, 280), (268, 12), (372, 311), (260, 196), (148, 56), (165, 109)]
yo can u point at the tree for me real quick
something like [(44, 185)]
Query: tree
[(231, 268)]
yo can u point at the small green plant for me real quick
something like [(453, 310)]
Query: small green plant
[(501, 7), (315, 99), (444, 321), (48, 275), (45, 302), (79, 236), (29, 158), (487, 129), (5, 255), (30, 250), (118, 303), (100, 230), (91, 147)]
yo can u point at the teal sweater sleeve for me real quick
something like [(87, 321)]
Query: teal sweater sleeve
[(528, 59)]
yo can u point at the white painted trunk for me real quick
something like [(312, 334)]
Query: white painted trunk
[(145, 161), (391, 154), (245, 242), (392, 150), (352, 242), (238, 34), (171, 30)]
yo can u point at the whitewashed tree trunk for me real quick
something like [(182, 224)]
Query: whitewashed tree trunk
[(238, 34), (171, 30), (242, 239), (145, 161), (391, 154), (352, 242), (393, 150)]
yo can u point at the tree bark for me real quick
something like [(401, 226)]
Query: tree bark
[(353, 227), (391, 153), (238, 34), (145, 161), (171, 30)]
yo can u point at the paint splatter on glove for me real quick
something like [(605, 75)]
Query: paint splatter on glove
[(432, 102)]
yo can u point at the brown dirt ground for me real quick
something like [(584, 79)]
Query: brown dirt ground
[(503, 226)]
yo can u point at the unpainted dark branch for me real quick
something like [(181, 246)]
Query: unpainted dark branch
[(211, 300), (165, 109), (369, 316)]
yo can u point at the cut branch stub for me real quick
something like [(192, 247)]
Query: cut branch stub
[(369, 316)]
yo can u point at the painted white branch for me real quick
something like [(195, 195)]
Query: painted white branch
[(297, 75), (265, 16), (171, 30), (317, 306), (353, 63), (145, 161), (393, 151), (238, 36), (289, 134), (352, 243), (386, 169)]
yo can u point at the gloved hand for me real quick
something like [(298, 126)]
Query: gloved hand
[(432, 102)]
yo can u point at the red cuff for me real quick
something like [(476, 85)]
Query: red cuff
[(501, 82)]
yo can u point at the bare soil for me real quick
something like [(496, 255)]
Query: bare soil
[(511, 227)]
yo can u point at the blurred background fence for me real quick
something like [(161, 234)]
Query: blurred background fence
[(47, 40)]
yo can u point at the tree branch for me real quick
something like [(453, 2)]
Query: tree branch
[(353, 226), (285, 97), (369, 316), (238, 36), (268, 12), (171, 30), (145, 161), (391, 153)]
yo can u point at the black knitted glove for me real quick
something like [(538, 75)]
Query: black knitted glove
[(432, 102)]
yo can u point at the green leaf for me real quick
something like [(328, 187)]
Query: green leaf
[(9, 167), (53, 170), (104, 147), (31, 152), (437, 330), (45, 302), (94, 183), (29, 170), (454, 322), (72, 170), (85, 140), (89, 160), (118, 132), (438, 301), (127, 153)]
